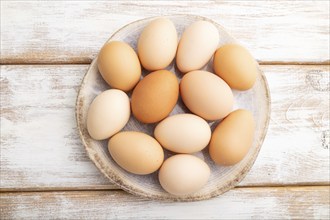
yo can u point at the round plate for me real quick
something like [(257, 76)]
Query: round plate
[(222, 178)]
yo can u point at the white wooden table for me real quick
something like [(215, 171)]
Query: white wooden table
[(46, 48)]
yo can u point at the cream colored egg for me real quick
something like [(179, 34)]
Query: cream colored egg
[(183, 174), (232, 138), (108, 114), (119, 65), (197, 45), (183, 133), (157, 44), (136, 152), (206, 95)]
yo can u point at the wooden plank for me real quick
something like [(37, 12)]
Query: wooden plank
[(296, 148), (71, 32), (40, 145), (41, 149), (268, 203)]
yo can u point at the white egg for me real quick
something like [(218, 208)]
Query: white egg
[(197, 45), (183, 133), (183, 174), (157, 44), (108, 114)]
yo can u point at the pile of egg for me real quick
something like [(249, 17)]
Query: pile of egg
[(208, 96)]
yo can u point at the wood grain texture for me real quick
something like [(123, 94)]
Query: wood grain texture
[(41, 149), (257, 100), (74, 31), (268, 203)]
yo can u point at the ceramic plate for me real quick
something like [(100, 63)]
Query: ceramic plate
[(222, 178)]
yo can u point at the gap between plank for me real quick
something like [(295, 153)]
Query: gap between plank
[(114, 188)]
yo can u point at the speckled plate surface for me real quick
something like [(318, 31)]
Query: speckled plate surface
[(257, 100)]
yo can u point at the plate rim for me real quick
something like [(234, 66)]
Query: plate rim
[(127, 187)]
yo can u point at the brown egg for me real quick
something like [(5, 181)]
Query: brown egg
[(206, 95), (232, 138), (136, 152), (155, 96), (234, 64), (119, 65)]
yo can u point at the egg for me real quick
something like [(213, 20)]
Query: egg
[(108, 114), (183, 174), (155, 96), (157, 44), (232, 138), (119, 65), (136, 152), (183, 133), (197, 45), (234, 64), (206, 95)]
